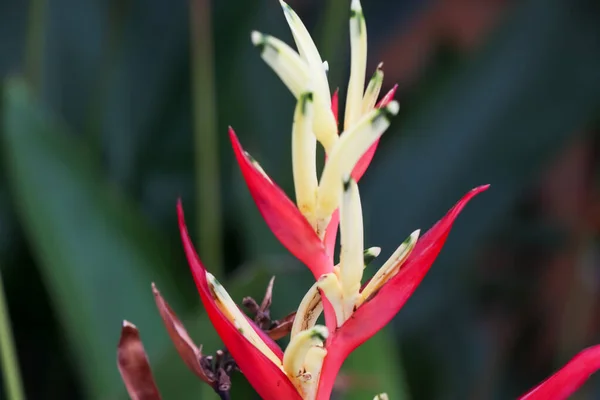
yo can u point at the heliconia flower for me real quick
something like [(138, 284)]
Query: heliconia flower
[(354, 310), (304, 73)]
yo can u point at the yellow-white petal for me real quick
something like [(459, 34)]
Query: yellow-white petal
[(370, 254), (358, 66), (309, 310), (381, 396), (313, 364), (286, 63), (314, 359), (308, 51), (330, 285), (304, 153), (311, 306), (390, 268), (372, 91), (352, 144), (233, 314), (296, 75), (298, 348), (325, 126), (351, 237)]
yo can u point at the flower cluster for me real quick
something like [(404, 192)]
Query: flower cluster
[(325, 203)]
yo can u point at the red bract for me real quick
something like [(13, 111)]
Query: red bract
[(362, 165), (282, 216), (335, 104), (566, 381), (377, 312), (331, 234), (265, 377)]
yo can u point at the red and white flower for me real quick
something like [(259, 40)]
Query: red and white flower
[(354, 310)]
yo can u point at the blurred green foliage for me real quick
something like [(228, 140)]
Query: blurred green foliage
[(97, 145)]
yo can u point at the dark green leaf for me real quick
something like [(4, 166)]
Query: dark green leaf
[(97, 254)]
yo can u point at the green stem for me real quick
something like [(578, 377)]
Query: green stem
[(34, 49), (10, 364), (205, 136), (117, 13)]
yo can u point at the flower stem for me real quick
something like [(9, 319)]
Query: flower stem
[(10, 364), (34, 49), (205, 135)]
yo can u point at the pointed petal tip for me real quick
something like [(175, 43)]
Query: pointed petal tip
[(233, 137), (256, 37), (126, 324), (375, 251), (389, 96), (181, 216), (476, 190)]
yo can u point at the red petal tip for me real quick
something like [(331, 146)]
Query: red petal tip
[(389, 96), (231, 132), (181, 217)]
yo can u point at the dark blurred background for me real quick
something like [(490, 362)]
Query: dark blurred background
[(112, 110)]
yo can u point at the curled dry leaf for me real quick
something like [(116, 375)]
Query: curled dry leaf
[(275, 329), (262, 313), (282, 327), (134, 366), (187, 349)]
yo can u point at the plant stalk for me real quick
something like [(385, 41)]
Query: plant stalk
[(205, 136), (10, 366)]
